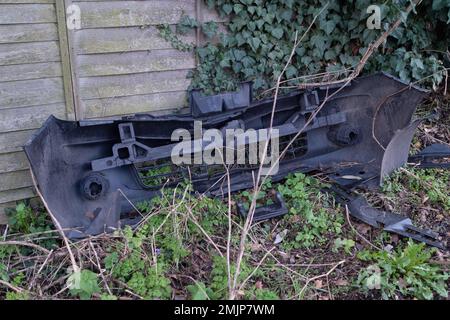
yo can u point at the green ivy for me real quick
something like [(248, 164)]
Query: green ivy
[(167, 34), (260, 35)]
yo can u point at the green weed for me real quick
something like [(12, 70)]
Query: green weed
[(434, 183), (407, 272), (305, 201)]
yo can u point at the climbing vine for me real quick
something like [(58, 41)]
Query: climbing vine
[(259, 37)]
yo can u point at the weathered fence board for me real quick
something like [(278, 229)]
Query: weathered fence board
[(113, 40), (13, 141), (30, 71), (139, 13), (27, 13), (13, 161), (133, 104), (9, 196), (133, 84), (31, 93), (15, 180), (134, 62), (28, 33), (17, 53), (29, 117), (121, 63)]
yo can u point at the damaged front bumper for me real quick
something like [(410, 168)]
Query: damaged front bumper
[(89, 172)]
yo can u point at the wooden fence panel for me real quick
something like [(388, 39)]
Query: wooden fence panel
[(122, 65), (31, 87)]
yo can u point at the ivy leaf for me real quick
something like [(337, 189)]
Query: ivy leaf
[(291, 72), (269, 18), (227, 8), (239, 54), (254, 43), (318, 41), (238, 8), (352, 24), (260, 23), (240, 39), (251, 26), (330, 54), (288, 3), (211, 3), (202, 52), (237, 67), (225, 63), (259, 83), (300, 51), (306, 60), (329, 26), (438, 4), (209, 29), (248, 72), (417, 63), (186, 24), (404, 75), (260, 12), (285, 15), (277, 32)]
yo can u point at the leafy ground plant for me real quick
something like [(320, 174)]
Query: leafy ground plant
[(307, 207), (25, 220), (406, 272), (83, 283)]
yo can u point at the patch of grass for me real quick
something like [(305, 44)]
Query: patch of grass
[(307, 211), (431, 185), (406, 272)]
